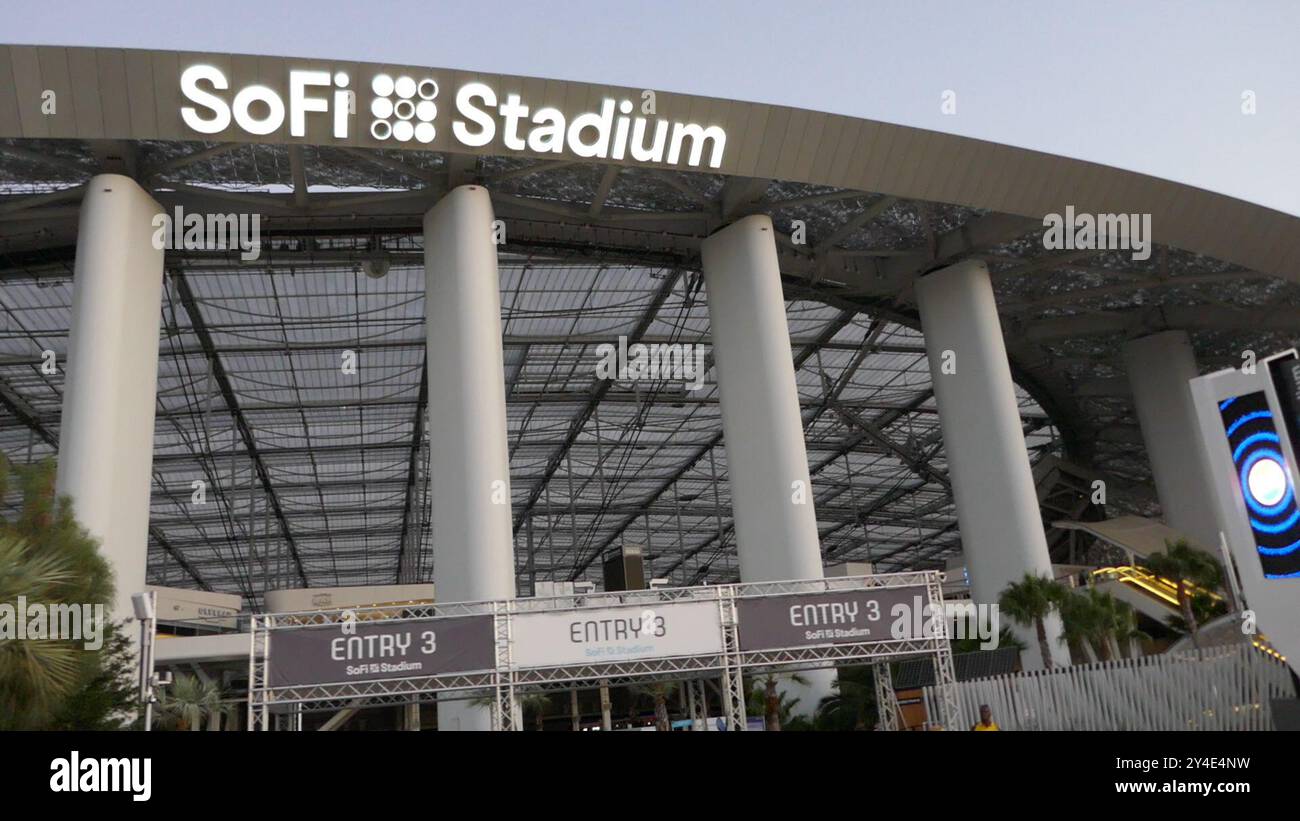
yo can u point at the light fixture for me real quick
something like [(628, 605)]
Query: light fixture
[(1266, 481), (376, 267), (142, 603)]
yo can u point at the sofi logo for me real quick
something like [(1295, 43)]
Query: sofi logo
[(404, 108), (269, 114)]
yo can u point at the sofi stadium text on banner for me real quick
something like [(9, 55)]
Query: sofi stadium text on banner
[(405, 108)]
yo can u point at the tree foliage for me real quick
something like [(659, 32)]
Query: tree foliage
[(1030, 601), (48, 558), (852, 705), (1195, 573)]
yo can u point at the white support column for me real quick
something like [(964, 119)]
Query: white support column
[(993, 487), (767, 463), (106, 429), (469, 466), (1159, 368)]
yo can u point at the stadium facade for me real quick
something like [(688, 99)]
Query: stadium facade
[(898, 321)]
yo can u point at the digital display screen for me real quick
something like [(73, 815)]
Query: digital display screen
[(1285, 372), (1264, 481)]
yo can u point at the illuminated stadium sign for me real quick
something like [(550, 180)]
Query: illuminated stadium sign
[(1250, 420), (405, 108), (1264, 482), (272, 111)]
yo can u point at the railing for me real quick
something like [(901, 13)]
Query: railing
[(1224, 688), (1164, 589), (204, 625)]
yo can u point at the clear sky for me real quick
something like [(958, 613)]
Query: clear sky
[(1151, 86)]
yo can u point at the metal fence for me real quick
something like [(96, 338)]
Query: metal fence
[(1223, 688)]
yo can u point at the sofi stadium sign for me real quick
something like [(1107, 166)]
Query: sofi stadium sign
[(405, 108)]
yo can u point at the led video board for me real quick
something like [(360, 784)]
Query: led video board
[(1264, 480)]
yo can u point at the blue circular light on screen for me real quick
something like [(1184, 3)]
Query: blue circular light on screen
[(1266, 481), (1263, 477)]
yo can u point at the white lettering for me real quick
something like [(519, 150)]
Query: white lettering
[(465, 105), (220, 119), (617, 130)]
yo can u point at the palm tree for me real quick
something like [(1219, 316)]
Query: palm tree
[(1030, 601), (189, 700), (34, 675), (223, 712), (538, 704), (1094, 617), (659, 691), (1204, 608), (1192, 569), (46, 520), (1120, 622), (1126, 629), (852, 705), (973, 644), (1079, 620), (46, 556), (103, 700), (776, 706), (1107, 609)]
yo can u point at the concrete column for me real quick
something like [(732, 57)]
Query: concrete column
[(993, 487), (767, 463), (469, 466), (106, 429), (1159, 367)]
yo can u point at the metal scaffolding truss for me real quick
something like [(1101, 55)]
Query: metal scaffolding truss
[(504, 684), (314, 477), (506, 714), (886, 701)]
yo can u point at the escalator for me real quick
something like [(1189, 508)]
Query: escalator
[(1157, 598), (1153, 596)]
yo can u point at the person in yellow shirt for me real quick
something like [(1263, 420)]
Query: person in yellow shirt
[(986, 723)]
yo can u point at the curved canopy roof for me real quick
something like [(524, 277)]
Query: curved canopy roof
[(324, 467)]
